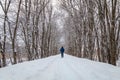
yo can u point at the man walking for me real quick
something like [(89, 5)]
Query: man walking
[(62, 51)]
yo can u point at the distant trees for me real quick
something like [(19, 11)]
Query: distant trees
[(38, 29), (29, 23), (93, 29)]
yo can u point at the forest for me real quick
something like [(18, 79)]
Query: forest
[(34, 29)]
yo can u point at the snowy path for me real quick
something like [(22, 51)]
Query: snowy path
[(57, 68)]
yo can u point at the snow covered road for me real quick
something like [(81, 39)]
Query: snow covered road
[(57, 68)]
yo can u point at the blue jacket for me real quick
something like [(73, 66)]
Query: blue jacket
[(62, 50)]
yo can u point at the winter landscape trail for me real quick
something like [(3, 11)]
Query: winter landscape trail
[(57, 68)]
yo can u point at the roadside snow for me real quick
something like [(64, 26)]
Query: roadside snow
[(57, 68), (118, 63)]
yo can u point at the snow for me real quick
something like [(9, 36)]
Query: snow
[(118, 62), (57, 68)]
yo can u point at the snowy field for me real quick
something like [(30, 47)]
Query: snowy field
[(57, 68)]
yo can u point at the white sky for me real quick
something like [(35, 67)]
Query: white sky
[(54, 2)]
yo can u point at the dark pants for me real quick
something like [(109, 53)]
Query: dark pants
[(62, 54), (0, 64)]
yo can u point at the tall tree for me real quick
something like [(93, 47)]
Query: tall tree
[(5, 8)]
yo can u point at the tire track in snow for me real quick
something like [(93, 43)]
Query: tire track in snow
[(42, 71), (64, 72), (73, 70)]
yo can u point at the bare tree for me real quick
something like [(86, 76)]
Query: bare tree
[(5, 8), (95, 28)]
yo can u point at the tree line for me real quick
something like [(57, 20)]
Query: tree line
[(93, 29), (30, 23)]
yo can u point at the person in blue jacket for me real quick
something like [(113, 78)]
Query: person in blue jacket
[(62, 51)]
